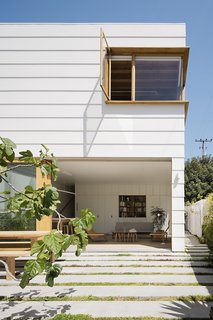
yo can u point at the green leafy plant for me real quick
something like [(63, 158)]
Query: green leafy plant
[(159, 217), (34, 204), (207, 227), (198, 178)]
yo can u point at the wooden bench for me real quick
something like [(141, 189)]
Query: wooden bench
[(32, 235), (10, 250), (15, 245), (9, 257)]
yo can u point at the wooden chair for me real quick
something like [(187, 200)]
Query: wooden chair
[(160, 235)]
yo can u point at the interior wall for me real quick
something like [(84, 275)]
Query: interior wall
[(103, 199)]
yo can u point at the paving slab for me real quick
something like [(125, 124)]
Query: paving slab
[(167, 309), (141, 263), (175, 270), (133, 258), (154, 278), (106, 291)]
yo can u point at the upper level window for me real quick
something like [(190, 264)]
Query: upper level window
[(143, 74), (158, 78)]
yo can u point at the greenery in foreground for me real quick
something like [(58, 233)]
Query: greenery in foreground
[(37, 203)]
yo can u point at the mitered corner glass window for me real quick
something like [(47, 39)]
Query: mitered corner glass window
[(158, 78)]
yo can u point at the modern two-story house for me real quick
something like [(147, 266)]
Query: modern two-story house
[(109, 101)]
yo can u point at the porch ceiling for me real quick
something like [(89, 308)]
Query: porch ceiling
[(111, 171)]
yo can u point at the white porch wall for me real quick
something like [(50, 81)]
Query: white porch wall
[(178, 222), (103, 200)]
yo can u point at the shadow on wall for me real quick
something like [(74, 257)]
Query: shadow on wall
[(95, 113)]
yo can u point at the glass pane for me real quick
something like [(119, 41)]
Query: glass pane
[(158, 79), (121, 74), (19, 178)]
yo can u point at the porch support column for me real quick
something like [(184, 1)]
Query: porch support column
[(178, 223), (45, 224)]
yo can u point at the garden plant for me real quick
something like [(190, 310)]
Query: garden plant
[(35, 204)]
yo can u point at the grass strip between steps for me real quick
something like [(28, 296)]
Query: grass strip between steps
[(87, 317), (134, 266), (195, 298), (139, 260), (135, 273), (93, 284)]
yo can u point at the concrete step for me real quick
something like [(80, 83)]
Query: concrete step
[(158, 270), (106, 291), (166, 309), (136, 258), (137, 263), (154, 278)]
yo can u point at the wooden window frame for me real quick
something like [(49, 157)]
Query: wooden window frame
[(107, 90), (105, 69)]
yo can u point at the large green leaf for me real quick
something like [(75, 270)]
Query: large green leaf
[(54, 241), (37, 247), (8, 142)]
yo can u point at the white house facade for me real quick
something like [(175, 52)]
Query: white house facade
[(109, 102)]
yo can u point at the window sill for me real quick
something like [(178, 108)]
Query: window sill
[(147, 102)]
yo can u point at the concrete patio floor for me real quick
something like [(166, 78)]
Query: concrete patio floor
[(118, 280)]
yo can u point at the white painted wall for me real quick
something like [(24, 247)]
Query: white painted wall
[(50, 75), (50, 93), (103, 199), (195, 214)]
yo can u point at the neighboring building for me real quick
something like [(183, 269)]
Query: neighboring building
[(121, 144)]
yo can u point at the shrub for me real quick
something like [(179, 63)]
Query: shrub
[(207, 227)]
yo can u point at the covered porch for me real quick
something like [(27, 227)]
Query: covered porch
[(119, 191)]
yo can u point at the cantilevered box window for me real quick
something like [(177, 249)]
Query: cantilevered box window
[(142, 74)]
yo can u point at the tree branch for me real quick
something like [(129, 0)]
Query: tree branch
[(7, 270), (16, 190), (17, 166)]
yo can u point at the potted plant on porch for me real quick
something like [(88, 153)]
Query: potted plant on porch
[(159, 218)]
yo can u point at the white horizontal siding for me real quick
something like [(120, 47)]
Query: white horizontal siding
[(139, 138), (83, 97), (57, 84), (97, 125), (50, 92), (131, 151), (85, 43), (93, 30), (87, 111), (50, 57), (54, 71)]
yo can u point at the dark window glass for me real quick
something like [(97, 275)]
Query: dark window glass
[(157, 79), (121, 74)]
